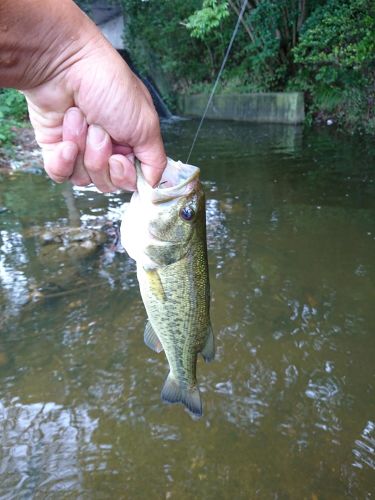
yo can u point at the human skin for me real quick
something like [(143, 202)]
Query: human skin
[(91, 114)]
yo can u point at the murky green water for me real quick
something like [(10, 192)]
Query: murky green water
[(289, 404)]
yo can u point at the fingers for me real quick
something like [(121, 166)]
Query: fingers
[(59, 161), (75, 130), (94, 150), (153, 161), (151, 152), (154, 168), (122, 172), (121, 150), (97, 153), (87, 155)]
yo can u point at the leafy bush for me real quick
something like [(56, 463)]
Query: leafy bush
[(13, 111), (269, 31), (157, 39), (322, 47), (202, 22), (336, 61)]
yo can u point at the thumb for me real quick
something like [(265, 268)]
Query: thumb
[(153, 160)]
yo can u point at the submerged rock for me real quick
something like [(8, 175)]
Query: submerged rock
[(50, 237), (61, 246), (60, 259), (72, 241)]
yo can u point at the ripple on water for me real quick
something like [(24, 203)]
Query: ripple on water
[(364, 448), (247, 400), (41, 443), (288, 403)]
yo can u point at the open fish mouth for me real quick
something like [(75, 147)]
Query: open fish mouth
[(178, 180)]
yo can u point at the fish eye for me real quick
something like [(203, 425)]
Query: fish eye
[(187, 213)]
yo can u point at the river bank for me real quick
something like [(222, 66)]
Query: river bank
[(260, 107), (24, 153)]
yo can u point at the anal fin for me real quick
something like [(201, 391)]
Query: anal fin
[(208, 351), (172, 392), (151, 339)]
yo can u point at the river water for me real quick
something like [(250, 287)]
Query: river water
[(289, 403)]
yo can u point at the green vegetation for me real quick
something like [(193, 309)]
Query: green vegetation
[(325, 48), (13, 112), (336, 62)]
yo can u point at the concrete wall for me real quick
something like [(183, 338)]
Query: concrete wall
[(113, 30), (270, 107)]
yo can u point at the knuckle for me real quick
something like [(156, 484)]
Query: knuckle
[(95, 168), (54, 171), (153, 121), (95, 163)]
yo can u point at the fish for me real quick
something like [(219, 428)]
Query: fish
[(164, 230)]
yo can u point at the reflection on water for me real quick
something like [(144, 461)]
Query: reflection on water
[(364, 450), (289, 404), (43, 443), (13, 281)]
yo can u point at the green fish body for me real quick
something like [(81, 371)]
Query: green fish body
[(164, 231)]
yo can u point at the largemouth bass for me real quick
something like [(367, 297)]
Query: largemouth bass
[(164, 231)]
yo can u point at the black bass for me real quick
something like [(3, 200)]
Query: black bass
[(164, 231)]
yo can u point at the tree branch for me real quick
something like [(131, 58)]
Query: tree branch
[(247, 28)]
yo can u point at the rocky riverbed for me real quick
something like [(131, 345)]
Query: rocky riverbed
[(25, 154), (62, 245)]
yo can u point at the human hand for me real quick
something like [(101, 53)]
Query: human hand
[(90, 113)]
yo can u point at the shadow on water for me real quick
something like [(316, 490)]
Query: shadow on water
[(289, 406)]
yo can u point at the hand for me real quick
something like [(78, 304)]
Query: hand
[(93, 118), (90, 113)]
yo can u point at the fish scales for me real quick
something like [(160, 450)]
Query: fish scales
[(164, 230), (183, 287)]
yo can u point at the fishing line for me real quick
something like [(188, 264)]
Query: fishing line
[(218, 77)]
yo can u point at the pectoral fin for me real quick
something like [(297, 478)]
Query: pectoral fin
[(208, 351), (151, 339), (155, 284)]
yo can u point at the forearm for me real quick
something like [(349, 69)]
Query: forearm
[(39, 39), (90, 113)]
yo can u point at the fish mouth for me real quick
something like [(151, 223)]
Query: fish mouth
[(178, 180)]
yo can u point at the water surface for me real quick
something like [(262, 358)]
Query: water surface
[(289, 403)]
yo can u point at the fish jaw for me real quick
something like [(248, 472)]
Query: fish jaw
[(178, 180)]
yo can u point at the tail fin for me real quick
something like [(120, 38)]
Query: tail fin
[(172, 392)]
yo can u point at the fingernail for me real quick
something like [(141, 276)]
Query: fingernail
[(69, 152), (76, 120), (96, 136), (116, 168)]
